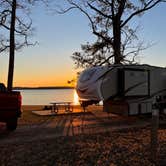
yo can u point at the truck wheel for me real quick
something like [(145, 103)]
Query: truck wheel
[(11, 124)]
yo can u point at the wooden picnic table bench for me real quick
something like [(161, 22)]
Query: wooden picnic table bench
[(68, 107)]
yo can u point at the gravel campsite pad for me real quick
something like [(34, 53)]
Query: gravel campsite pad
[(130, 147), (40, 141)]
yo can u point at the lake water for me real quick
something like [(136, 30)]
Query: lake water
[(45, 96)]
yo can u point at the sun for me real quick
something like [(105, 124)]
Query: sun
[(76, 98)]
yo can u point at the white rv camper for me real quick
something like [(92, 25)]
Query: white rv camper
[(125, 89)]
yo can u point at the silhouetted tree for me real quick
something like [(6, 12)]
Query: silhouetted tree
[(15, 28), (110, 21), (12, 46)]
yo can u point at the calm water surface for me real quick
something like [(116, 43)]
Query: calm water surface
[(45, 96)]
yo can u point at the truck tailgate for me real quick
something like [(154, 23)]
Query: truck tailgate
[(10, 100)]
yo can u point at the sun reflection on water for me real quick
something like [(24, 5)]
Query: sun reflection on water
[(76, 98)]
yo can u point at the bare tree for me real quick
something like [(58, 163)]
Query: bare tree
[(15, 27), (110, 21)]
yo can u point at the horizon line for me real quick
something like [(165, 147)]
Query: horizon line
[(43, 87)]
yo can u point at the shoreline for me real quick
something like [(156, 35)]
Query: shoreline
[(76, 108), (29, 107)]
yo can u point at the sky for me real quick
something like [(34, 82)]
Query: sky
[(49, 63)]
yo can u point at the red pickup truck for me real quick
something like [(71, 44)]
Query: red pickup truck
[(10, 107)]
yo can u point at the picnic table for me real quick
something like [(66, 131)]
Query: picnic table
[(68, 107)]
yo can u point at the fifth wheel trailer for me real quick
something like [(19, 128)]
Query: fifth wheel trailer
[(124, 89)]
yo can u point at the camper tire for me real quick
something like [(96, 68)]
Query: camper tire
[(11, 124)]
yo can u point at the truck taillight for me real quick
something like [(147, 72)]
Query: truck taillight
[(20, 100)]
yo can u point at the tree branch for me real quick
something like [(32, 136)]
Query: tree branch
[(106, 60), (145, 8), (98, 11)]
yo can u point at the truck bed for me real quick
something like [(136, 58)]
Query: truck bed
[(10, 105)]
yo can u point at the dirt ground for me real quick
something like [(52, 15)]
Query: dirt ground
[(90, 138)]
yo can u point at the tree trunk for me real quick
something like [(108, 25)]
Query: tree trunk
[(117, 40), (12, 47)]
